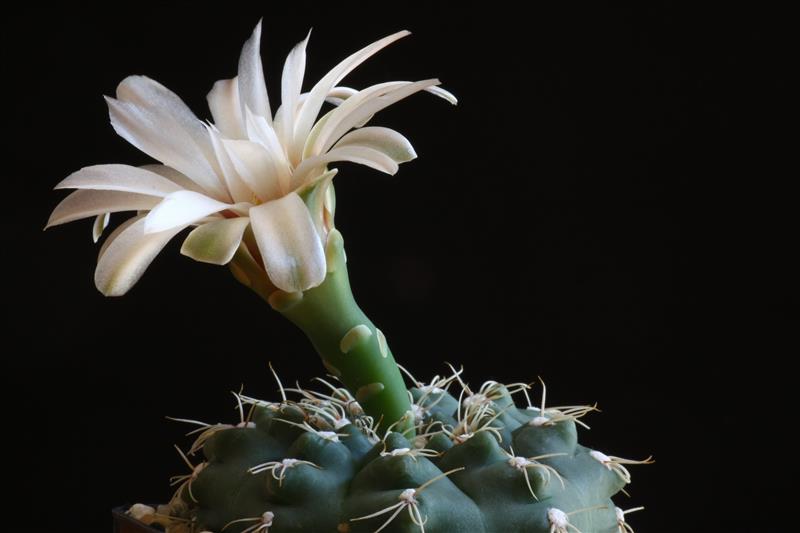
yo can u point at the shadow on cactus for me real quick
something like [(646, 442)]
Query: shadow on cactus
[(362, 453)]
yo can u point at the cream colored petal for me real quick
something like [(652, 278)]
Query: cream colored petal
[(315, 200), (256, 167), (100, 224), (442, 93), (117, 231), (119, 178), (385, 140), (165, 141), (311, 140), (291, 86), (223, 101), (215, 242), (290, 246), (240, 192), (151, 95), (85, 204), (355, 109), (313, 104), (180, 209), (355, 154), (174, 176), (127, 255), (337, 95), (252, 88), (320, 131), (170, 115), (264, 133)]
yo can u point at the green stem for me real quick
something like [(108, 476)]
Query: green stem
[(351, 347)]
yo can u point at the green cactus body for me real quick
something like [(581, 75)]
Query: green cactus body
[(318, 465)]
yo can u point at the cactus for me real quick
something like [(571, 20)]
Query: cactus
[(367, 454), (477, 463)]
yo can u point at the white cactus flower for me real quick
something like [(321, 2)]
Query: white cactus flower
[(249, 169)]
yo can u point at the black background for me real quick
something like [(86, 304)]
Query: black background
[(590, 212)]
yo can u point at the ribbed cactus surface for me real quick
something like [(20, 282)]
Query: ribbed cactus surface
[(477, 463)]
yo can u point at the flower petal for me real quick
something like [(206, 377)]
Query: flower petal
[(119, 178), (355, 154), (223, 101), (147, 93), (317, 199), (263, 132), (240, 192), (215, 242), (117, 231), (355, 109), (313, 104), (85, 204), (385, 140), (290, 246), (100, 224), (252, 88), (157, 122), (337, 95), (174, 176), (256, 167), (180, 209), (291, 86), (126, 256), (442, 93)]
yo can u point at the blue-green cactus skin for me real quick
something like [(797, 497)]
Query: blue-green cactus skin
[(353, 474)]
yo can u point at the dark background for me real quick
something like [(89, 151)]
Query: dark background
[(596, 211)]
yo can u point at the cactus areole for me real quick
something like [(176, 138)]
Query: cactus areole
[(364, 453)]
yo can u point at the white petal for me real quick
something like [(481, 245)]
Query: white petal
[(127, 255), (263, 132), (340, 94), (317, 200), (223, 101), (291, 86), (119, 178), (355, 154), (163, 140), (356, 108), (100, 224), (313, 104), (174, 176), (215, 242), (317, 136), (180, 209), (252, 88), (337, 95), (385, 140), (240, 192), (169, 110), (441, 93), (290, 246), (117, 231), (85, 204), (311, 140), (256, 167), (165, 104)]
